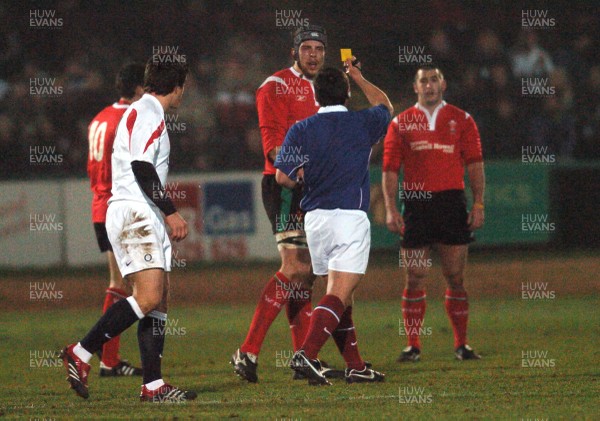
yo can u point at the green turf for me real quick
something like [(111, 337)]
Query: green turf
[(438, 387)]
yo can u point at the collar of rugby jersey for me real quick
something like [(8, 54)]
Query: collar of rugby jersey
[(156, 103), (120, 104), (431, 117), (312, 85), (296, 73), (300, 75), (332, 109)]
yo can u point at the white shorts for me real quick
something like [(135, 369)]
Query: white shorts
[(137, 234), (338, 239)]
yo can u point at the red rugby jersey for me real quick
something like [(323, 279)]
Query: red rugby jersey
[(282, 100), (433, 149), (101, 135)]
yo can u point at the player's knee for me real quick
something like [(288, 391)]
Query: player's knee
[(148, 301), (415, 278), (414, 284), (117, 283), (308, 277), (454, 278), (298, 271), (301, 274)]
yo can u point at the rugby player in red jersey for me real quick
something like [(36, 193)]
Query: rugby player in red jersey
[(283, 99), (433, 142), (101, 135)]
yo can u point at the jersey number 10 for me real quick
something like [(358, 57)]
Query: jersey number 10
[(96, 140)]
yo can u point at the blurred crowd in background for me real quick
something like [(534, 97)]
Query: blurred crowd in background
[(486, 54)]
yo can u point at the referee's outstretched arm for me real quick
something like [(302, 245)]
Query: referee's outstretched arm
[(374, 95)]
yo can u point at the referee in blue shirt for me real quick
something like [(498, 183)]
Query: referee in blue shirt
[(329, 153)]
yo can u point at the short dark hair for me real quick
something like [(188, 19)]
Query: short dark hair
[(427, 67), (130, 76), (331, 87), (161, 78)]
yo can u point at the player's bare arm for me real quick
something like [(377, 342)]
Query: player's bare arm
[(393, 218), (283, 179), (477, 182), (177, 225), (374, 95)]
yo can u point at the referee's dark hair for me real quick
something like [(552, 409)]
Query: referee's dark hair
[(163, 76), (331, 87), (130, 76)]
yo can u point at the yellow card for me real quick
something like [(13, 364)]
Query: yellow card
[(346, 53)]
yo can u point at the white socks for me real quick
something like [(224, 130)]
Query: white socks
[(155, 384), (82, 353)]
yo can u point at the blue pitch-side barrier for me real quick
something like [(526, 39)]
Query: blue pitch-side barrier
[(48, 223)]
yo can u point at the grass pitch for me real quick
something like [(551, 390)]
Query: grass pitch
[(540, 361)]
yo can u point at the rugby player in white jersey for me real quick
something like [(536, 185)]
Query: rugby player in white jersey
[(138, 234)]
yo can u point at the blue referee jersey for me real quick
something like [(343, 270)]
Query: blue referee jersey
[(334, 147)]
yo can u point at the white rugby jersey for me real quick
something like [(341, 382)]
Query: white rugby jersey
[(141, 136)]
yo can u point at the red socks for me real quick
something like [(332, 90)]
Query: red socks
[(457, 307), (413, 313), (325, 318), (345, 339), (298, 311), (110, 350), (272, 299)]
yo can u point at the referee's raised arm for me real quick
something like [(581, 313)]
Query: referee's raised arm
[(374, 95)]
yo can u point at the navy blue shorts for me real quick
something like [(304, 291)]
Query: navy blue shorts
[(440, 219), (102, 237)]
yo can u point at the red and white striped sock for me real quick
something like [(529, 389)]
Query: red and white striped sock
[(413, 314), (457, 308), (325, 319), (270, 304)]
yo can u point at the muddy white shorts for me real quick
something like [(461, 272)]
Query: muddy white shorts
[(338, 239), (138, 237)]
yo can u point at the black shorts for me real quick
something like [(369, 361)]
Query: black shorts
[(440, 219), (102, 237), (282, 206)]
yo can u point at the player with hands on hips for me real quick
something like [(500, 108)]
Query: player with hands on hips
[(433, 142)]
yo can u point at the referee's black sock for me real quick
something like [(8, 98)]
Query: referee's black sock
[(151, 340), (117, 319)]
